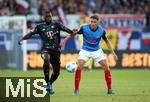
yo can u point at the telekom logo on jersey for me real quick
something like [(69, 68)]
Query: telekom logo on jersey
[(26, 87)]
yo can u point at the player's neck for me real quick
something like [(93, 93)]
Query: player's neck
[(93, 28), (48, 22)]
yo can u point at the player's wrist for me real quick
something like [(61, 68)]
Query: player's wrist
[(20, 41)]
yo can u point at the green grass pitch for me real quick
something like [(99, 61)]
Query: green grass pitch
[(129, 85)]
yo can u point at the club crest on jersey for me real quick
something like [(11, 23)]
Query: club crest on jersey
[(43, 29), (52, 27)]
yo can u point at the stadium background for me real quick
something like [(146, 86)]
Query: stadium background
[(127, 26), (126, 23)]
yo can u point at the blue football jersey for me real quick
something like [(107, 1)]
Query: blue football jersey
[(91, 38)]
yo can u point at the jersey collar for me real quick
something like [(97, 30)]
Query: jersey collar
[(93, 29)]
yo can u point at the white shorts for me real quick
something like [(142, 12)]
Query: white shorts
[(96, 55)]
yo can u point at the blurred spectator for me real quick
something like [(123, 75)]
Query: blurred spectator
[(147, 13), (10, 7), (6, 7)]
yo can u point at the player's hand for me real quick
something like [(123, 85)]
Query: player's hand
[(62, 43), (75, 30), (115, 56), (20, 42)]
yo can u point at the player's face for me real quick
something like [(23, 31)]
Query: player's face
[(48, 18), (94, 23)]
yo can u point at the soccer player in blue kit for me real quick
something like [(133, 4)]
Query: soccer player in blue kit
[(92, 34)]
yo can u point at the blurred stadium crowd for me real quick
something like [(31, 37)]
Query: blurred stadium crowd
[(18, 7), (38, 7)]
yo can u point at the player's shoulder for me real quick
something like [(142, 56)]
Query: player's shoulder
[(100, 27), (56, 22), (40, 24)]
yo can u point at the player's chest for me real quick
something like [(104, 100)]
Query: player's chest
[(48, 30), (92, 35)]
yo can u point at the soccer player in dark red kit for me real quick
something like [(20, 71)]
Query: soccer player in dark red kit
[(92, 35), (49, 32)]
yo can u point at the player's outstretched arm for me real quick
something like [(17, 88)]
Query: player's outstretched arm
[(110, 48), (66, 29), (27, 36)]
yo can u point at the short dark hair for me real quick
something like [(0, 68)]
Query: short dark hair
[(95, 17), (48, 13)]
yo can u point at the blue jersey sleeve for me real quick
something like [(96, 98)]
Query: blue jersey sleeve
[(104, 35), (80, 30)]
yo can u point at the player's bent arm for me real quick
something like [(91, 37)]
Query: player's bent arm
[(109, 45), (27, 36), (110, 48)]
